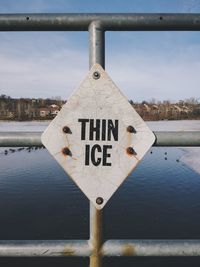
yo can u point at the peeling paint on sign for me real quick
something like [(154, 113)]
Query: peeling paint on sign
[(97, 137)]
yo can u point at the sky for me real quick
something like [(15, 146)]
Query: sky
[(144, 65)]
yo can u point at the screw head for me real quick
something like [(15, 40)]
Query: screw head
[(131, 129), (131, 151), (99, 200), (66, 129), (66, 151), (96, 75)]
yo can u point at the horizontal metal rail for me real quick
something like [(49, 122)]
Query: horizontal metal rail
[(108, 22), (151, 248), (17, 139), (184, 138), (26, 139), (44, 248), (82, 248)]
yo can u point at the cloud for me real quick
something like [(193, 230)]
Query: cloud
[(189, 6), (41, 77), (40, 67), (161, 81), (143, 75), (49, 64)]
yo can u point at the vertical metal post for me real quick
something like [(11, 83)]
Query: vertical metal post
[(97, 55), (97, 44), (95, 235)]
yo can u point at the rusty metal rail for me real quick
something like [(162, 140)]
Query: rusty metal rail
[(45, 248), (83, 248), (151, 248), (97, 24)]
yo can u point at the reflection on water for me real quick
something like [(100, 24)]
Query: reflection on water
[(36, 192), (159, 200)]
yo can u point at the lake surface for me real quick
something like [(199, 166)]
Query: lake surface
[(159, 200)]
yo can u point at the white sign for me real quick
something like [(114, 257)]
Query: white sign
[(97, 137)]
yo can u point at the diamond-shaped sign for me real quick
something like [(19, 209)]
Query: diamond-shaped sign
[(97, 137)]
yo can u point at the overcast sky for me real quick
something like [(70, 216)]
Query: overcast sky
[(144, 65)]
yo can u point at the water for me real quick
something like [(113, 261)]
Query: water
[(159, 200)]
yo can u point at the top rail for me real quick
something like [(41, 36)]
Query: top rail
[(108, 22)]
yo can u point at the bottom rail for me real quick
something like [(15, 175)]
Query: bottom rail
[(44, 248), (111, 248), (151, 248)]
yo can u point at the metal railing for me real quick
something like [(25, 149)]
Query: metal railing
[(187, 138), (97, 24)]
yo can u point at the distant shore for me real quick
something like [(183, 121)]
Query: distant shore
[(12, 120), (48, 120), (31, 109)]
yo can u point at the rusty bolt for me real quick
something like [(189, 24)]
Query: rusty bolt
[(96, 75), (131, 151), (131, 129), (66, 151), (66, 129), (99, 200)]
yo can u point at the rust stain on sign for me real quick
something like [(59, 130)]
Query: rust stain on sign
[(66, 151)]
